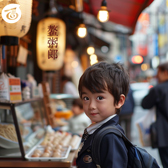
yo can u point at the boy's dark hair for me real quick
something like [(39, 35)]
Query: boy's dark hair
[(77, 102), (104, 76), (163, 66)]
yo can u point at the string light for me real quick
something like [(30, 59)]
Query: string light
[(82, 31), (90, 50), (93, 59), (103, 13)]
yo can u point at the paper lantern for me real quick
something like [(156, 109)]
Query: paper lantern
[(51, 38), (15, 18)]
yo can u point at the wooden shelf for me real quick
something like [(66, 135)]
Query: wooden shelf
[(67, 163)]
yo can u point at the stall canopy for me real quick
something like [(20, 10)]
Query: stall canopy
[(122, 12)]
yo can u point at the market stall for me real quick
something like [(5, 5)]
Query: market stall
[(27, 141)]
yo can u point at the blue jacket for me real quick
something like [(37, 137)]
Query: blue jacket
[(113, 152)]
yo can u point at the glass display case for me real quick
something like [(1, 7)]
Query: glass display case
[(22, 126)]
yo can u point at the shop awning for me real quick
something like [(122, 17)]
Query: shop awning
[(122, 12)]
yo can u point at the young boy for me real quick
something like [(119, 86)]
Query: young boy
[(103, 88)]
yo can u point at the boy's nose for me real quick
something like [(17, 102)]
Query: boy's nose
[(92, 105)]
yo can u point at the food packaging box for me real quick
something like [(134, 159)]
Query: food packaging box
[(10, 89)]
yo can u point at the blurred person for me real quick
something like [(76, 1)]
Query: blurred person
[(69, 87), (79, 121), (158, 97), (126, 113)]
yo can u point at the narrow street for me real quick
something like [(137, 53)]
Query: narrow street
[(138, 113)]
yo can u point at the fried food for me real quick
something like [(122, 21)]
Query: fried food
[(8, 131)]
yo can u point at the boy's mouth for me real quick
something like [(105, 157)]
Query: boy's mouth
[(93, 114)]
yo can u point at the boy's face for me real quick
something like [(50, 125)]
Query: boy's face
[(99, 106)]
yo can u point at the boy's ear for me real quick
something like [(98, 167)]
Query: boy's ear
[(121, 101)]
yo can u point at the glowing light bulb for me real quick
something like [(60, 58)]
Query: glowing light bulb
[(103, 14), (93, 59), (90, 50), (82, 31)]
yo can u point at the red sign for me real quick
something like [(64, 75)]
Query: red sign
[(53, 41)]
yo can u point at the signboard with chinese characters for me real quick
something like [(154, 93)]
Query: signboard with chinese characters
[(15, 17), (51, 38)]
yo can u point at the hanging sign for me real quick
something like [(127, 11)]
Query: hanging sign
[(51, 38)]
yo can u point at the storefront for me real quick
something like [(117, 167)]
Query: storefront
[(35, 52)]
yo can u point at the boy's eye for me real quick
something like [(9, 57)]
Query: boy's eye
[(85, 98), (99, 98)]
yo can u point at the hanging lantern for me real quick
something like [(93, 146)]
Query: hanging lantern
[(15, 19), (51, 38)]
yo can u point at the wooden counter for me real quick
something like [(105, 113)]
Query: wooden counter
[(67, 163)]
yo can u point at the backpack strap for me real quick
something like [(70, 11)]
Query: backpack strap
[(98, 138)]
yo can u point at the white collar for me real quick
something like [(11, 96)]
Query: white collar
[(93, 127)]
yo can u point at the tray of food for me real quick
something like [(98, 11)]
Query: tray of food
[(75, 142), (48, 153), (62, 138)]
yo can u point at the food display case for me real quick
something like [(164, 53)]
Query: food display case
[(23, 128)]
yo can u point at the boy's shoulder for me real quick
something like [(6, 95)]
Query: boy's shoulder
[(111, 137), (111, 122), (112, 140)]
